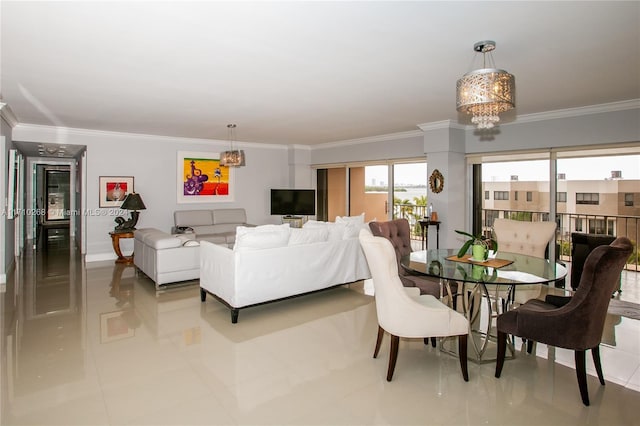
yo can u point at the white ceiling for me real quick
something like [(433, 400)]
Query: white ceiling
[(302, 72)]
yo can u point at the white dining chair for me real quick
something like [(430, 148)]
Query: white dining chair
[(402, 311)]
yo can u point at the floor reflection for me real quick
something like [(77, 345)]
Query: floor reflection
[(96, 344)]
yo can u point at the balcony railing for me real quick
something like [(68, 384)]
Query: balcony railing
[(614, 225), (412, 213)]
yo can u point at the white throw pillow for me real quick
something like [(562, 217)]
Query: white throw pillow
[(358, 220), (353, 225), (261, 237), (336, 230), (308, 235)]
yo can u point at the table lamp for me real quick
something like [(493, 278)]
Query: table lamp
[(132, 202)]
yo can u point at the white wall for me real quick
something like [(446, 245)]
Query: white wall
[(386, 147), (621, 126), (152, 160)]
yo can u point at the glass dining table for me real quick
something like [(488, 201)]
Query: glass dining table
[(484, 289)]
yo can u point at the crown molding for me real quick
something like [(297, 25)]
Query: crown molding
[(156, 138), (7, 114), (370, 139), (444, 124), (576, 112), (302, 147)]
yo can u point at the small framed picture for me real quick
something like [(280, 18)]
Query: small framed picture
[(114, 189)]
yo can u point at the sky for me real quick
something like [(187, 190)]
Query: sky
[(593, 168)]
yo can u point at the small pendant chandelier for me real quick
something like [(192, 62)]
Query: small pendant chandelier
[(486, 92), (233, 157)]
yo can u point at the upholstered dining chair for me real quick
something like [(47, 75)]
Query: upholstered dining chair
[(581, 246), (579, 324), (398, 232), (528, 238), (402, 311)]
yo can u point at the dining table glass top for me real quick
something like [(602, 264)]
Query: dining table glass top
[(517, 269)]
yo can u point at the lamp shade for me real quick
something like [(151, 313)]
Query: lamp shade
[(487, 92), (133, 201)]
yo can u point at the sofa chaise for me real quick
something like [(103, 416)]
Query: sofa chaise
[(166, 258), (169, 258)]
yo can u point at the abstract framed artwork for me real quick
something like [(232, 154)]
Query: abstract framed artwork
[(115, 325), (114, 189), (201, 178)]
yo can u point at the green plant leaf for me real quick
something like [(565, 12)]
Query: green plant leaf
[(464, 248), (466, 234)]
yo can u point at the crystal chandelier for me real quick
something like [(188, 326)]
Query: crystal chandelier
[(486, 92), (233, 157)]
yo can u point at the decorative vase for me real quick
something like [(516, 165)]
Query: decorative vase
[(477, 272), (479, 251)]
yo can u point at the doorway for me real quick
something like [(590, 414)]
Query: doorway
[(52, 197)]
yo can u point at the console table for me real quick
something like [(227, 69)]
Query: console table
[(424, 227), (115, 241)]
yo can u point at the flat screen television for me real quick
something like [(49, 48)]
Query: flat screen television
[(293, 202)]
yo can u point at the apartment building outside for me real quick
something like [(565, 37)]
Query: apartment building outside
[(610, 206)]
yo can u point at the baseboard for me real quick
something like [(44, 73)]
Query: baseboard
[(99, 257)]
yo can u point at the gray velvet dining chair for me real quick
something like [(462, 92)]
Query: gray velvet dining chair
[(402, 311), (579, 324)]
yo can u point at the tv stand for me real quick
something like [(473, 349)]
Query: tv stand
[(293, 221)]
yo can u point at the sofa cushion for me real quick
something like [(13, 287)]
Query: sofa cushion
[(205, 229), (160, 242), (192, 217), (213, 238), (261, 237), (187, 240), (308, 235), (229, 216)]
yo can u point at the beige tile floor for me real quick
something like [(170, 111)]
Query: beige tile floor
[(97, 345)]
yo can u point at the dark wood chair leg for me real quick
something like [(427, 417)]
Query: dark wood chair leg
[(234, 315), (432, 339), (502, 349), (581, 373), (462, 355), (378, 342), (595, 352), (203, 294), (393, 356), (529, 346)]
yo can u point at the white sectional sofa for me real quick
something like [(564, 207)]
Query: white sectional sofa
[(274, 262), (217, 226)]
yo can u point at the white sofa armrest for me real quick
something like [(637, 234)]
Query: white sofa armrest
[(217, 270)]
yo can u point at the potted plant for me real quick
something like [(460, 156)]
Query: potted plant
[(480, 245)]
